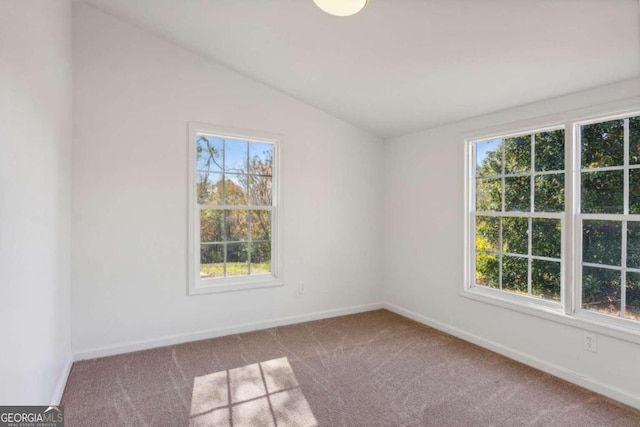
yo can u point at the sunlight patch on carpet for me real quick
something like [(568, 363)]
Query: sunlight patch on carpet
[(261, 394)]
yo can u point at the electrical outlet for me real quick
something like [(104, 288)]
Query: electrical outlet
[(301, 288), (591, 342)]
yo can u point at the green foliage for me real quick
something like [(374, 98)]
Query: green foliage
[(546, 237), (487, 270), (602, 144), (517, 193), (517, 154), (514, 274), (545, 279), (549, 151), (603, 192), (515, 238), (549, 193), (634, 191), (601, 289), (634, 140), (633, 244), (602, 242), (489, 194), (633, 295)]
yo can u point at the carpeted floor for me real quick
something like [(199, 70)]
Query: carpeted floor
[(369, 369)]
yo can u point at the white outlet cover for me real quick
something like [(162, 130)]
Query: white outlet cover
[(591, 342)]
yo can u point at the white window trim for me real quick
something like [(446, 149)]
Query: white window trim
[(569, 311), (197, 285)]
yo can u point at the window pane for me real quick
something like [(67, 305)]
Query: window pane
[(234, 201), (489, 194), (260, 225), (236, 155), (515, 235), (549, 150), (549, 193), (487, 270), (260, 257), (633, 244), (209, 188), (487, 233), (632, 308), (237, 226), (634, 191), (517, 154), (603, 144), (602, 242), (634, 140), (489, 158), (211, 261), (545, 279), (237, 259), (260, 158), (234, 189), (260, 189), (517, 194), (603, 192), (546, 237), (211, 226), (601, 290), (514, 274), (209, 151)]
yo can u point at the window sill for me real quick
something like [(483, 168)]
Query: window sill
[(235, 284), (556, 315)]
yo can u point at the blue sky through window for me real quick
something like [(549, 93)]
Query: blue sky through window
[(235, 155), (483, 149)]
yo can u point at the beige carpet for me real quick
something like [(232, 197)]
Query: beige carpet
[(370, 369)]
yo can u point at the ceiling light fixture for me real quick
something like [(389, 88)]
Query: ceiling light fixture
[(341, 7)]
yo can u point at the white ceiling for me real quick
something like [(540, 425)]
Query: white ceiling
[(406, 65)]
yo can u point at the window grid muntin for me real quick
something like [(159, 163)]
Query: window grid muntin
[(226, 208), (532, 173)]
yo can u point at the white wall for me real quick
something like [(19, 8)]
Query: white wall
[(35, 200), (133, 96), (424, 254)]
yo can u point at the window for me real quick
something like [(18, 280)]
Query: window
[(232, 210), (518, 216), (528, 212), (609, 217)]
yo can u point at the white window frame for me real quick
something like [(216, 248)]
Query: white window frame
[(198, 285), (569, 311), (623, 218), (497, 293)]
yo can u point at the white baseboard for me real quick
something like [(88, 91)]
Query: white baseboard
[(550, 368), (214, 333), (62, 382)]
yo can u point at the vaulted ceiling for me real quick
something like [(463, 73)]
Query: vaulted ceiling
[(406, 65)]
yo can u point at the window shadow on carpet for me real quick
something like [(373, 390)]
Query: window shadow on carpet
[(260, 394)]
